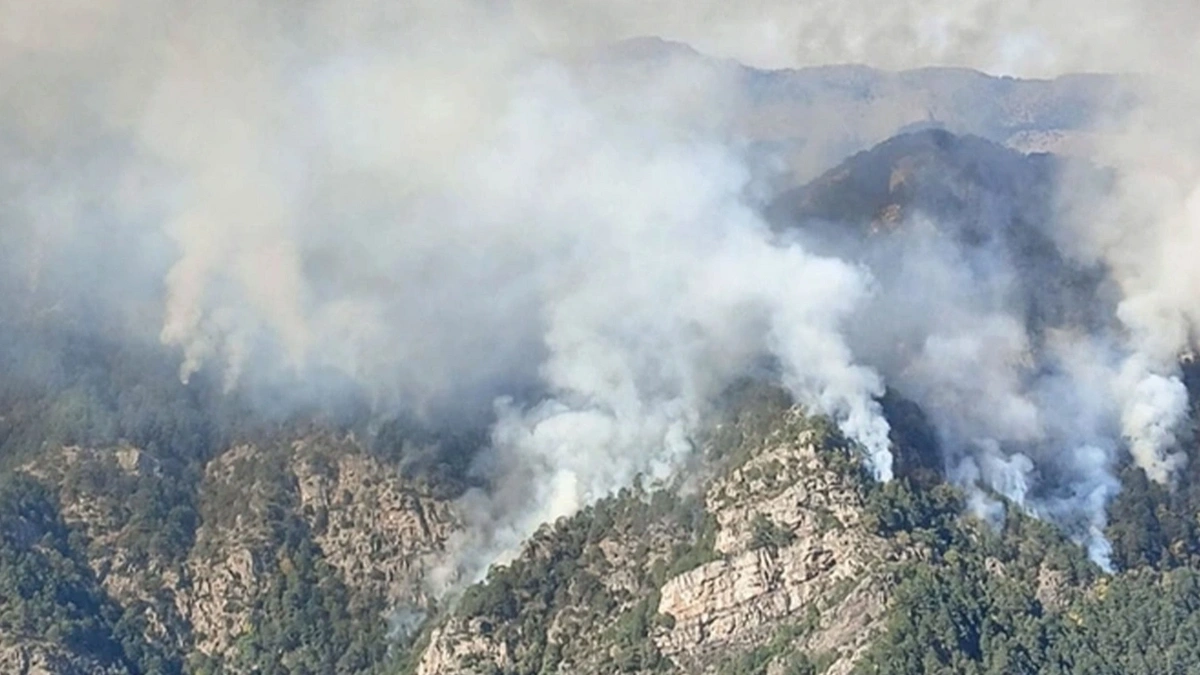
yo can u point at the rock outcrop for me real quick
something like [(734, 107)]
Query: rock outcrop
[(196, 594), (34, 658), (793, 556), (378, 531), (784, 559)]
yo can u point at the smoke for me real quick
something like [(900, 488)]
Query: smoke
[(1145, 229), (662, 287), (463, 205), (1022, 392), (428, 201), (1042, 419)]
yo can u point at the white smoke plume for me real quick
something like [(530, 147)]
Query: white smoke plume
[(1116, 389), (429, 201), (661, 287), (440, 202)]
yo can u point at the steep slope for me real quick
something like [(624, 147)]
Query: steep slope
[(771, 549), (54, 616), (994, 207), (138, 538), (285, 554), (786, 559), (795, 565), (778, 555)]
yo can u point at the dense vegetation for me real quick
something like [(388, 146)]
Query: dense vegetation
[(1024, 600), (1018, 600), (565, 575), (305, 622), (63, 388)]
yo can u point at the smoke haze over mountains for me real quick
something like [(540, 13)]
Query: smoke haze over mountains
[(462, 206)]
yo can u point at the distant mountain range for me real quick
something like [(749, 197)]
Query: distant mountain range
[(812, 117)]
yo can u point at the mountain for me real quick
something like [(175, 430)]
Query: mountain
[(278, 556), (985, 200), (789, 559), (806, 119), (784, 557), (780, 555), (776, 557), (855, 107), (148, 527)]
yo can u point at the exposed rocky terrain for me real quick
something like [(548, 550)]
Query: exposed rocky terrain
[(786, 559), (320, 505)]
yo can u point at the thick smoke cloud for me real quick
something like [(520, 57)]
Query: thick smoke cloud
[(1044, 424), (1025, 402), (1145, 229), (422, 201), (660, 286), (441, 203)]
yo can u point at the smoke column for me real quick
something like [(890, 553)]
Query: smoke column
[(439, 202), (424, 200)]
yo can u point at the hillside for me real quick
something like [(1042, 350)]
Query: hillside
[(781, 557), (770, 558), (789, 560), (152, 527), (285, 556), (814, 568), (530, 337), (994, 206)]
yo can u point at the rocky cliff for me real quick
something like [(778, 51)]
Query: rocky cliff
[(273, 523), (773, 557), (778, 556)]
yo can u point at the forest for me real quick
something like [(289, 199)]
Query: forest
[(950, 613)]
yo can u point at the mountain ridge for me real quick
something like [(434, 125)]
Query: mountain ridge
[(301, 547)]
